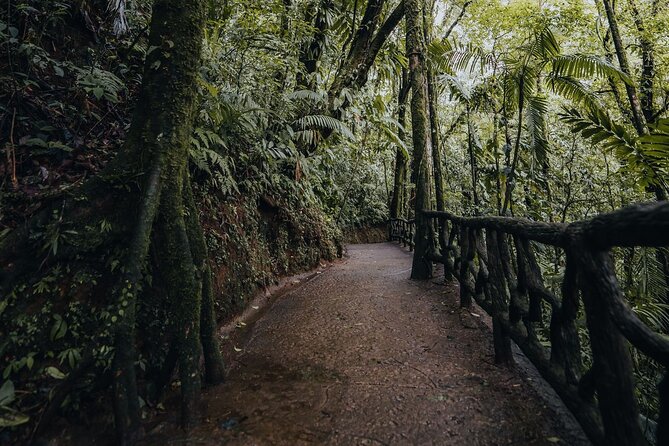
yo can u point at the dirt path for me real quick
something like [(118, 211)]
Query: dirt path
[(361, 355)]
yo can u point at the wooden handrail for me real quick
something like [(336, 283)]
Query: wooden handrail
[(493, 260), (402, 230)]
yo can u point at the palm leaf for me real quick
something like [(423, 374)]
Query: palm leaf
[(585, 66), (645, 156), (573, 90), (537, 108)]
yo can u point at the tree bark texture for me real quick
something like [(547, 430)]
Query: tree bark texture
[(422, 146)]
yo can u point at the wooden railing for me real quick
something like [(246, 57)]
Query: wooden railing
[(493, 258), (403, 231)]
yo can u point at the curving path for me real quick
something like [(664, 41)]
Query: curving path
[(361, 355)]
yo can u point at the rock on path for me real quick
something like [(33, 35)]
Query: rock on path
[(361, 355)]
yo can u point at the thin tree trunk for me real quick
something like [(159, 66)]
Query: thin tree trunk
[(436, 145), (510, 179), (400, 177), (472, 161), (648, 60), (635, 104)]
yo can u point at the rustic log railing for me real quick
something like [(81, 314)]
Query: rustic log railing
[(494, 261), (403, 231)]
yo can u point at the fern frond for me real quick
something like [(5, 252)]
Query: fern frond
[(322, 122), (306, 95)]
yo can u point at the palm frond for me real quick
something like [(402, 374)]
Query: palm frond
[(573, 90), (586, 66), (545, 46), (395, 139), (650, 290), (439, 55), (457, 89), (598, 127), (644, 156), (537, 108), (469, 58)]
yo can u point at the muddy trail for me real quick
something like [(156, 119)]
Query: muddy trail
[(359, 354)]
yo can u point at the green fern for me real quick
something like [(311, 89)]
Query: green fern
[(310, 123), (306, 95)]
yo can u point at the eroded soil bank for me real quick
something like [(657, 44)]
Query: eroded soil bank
[(359, 354)]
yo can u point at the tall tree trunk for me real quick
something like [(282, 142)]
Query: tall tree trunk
[(648, 60), (436, 143), (511, 176), (364, 48), (311, 51), (472, 160), (160, 136), (415, 44), (635, 104), (397, 201), (639, 112)]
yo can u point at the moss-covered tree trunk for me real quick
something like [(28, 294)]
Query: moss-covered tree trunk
[(399, 183), (159, 140), (436, 146), (422, 148), (433, 99), (145, 196)]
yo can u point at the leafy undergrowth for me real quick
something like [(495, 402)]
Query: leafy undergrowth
[(67, 90)]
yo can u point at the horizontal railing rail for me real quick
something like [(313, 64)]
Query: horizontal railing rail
[(494, 260), (402, 230)]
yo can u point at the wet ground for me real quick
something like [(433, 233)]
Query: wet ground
[(361, 355)]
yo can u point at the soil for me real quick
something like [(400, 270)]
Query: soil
[(366, 234), (359, 354)]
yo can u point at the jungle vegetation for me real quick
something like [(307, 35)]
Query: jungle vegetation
[(164, 160)]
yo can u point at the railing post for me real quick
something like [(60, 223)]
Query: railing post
[(568, 344), (451, 254), (663, 419), (501, 339), (481, 291), (467, 242), (404, 233), (612, 363), (444, 248)]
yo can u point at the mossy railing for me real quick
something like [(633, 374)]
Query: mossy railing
[(494, 261), (403, 231)]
